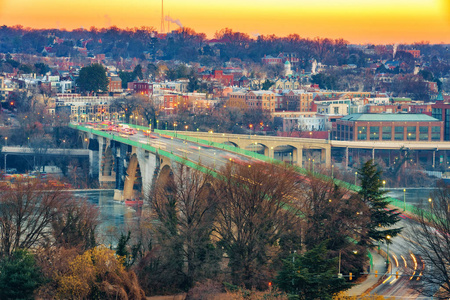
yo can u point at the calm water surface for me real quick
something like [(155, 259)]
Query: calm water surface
[(113, 214), (117, 215)]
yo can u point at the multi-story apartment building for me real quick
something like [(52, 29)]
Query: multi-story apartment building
[(264, 100), (298, 100)]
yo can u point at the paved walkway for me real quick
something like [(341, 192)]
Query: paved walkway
[(379, 264)]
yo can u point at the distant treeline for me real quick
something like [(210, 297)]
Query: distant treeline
[(184, 44)]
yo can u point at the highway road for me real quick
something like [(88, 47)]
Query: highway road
[(403, 259), (407, 262), (213, 158)]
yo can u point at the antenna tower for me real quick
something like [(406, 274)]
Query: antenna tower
[(162, 16)]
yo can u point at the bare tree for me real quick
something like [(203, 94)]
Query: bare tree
[(184, 208), (431, 240), (256, 208), (27, 212)]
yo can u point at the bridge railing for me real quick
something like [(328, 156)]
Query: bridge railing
[(393, 201), (230, 148)]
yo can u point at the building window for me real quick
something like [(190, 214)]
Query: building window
[(411, 133), (362, 133), (387, 136), (423, 133), (398, 135), (374, 133), (435, 133)]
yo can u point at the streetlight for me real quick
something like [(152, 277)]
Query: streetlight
[(339, 269), (388, 240), (313, 165), (186, 127), (404, 199), (332, 169), (157, 124), (384, 185), (6, 141), (356, 174), (431, 202), (175, 128), (250, 135)]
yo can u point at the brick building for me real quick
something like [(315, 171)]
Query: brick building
[(388, 127)]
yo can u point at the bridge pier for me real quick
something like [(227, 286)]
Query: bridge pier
[(299, 157), (94, 153)]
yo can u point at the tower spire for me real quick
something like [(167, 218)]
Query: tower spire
[(162, 16)]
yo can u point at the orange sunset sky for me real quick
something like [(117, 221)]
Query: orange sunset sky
[(358, 21)]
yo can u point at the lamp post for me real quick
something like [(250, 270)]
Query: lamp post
[(384, 185), (175, 128), (6, 141), (388, 239), (5, 162), (332, 169), (157, 124), (313, 165), (431, 202), (250, 135), (356, 174), (404, 199), (339, 269)]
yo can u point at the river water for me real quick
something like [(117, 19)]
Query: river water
[(115, 216)]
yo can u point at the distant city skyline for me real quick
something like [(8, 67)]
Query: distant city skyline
[(370, 21)]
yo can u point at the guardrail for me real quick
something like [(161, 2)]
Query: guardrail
[(393, 201)]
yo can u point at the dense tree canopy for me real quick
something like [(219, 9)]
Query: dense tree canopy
[(93, 79)]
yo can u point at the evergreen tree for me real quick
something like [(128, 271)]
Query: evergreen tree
[(381, 218), (137, 73), (311, 275), (93, 79), (19, 276)]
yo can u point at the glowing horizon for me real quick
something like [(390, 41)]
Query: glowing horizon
[(371, 21)]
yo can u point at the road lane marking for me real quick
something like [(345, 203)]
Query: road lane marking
[(404, 260)]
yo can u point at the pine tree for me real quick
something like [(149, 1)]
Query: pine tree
[(311, 275), (19, 276), (382, 219)]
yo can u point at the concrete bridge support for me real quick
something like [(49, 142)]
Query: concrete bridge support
[(128, 191), (149, 165), (94, 153)]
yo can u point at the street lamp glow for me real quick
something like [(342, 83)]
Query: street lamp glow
[(388, 238), (356, 174)]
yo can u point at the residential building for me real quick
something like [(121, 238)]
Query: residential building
[(264, 100)]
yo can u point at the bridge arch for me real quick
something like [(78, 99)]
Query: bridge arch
[(164, 175), (231, 144), (288, 153), (133, 180), (258, 148)]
